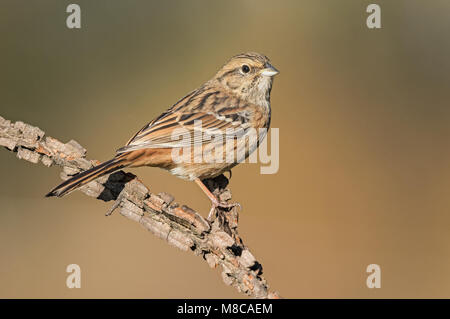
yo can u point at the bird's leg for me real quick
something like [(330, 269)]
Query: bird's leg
[(215, 202)]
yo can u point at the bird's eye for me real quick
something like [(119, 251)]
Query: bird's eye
[(245, 68)]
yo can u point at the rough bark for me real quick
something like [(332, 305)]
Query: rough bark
[(217, 242)]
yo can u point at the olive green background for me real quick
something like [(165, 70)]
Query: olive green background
[(364, 144)]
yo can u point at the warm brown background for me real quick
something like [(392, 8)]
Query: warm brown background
[(364, 153)]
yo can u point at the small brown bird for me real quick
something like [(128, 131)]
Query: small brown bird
[(236, 99)]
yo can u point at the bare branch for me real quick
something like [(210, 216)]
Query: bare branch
[(217, 242)]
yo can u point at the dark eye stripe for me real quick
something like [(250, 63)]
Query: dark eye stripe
[(226, 74)]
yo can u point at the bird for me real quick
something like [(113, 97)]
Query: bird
[(235, 99)]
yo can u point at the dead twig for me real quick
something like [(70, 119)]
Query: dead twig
[(217, 242)]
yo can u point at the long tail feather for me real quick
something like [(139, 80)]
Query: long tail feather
[(85, 177)]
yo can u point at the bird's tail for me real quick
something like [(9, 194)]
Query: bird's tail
[(85, 177)]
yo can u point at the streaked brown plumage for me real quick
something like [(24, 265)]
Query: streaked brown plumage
[(237, 97)]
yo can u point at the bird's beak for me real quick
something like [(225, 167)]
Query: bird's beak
[(269, 70)]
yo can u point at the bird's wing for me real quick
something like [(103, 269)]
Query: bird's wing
[(202, 112)]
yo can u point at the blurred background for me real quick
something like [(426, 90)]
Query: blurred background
[(364, 153)]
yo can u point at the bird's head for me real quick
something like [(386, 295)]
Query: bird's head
[(249, 76)]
